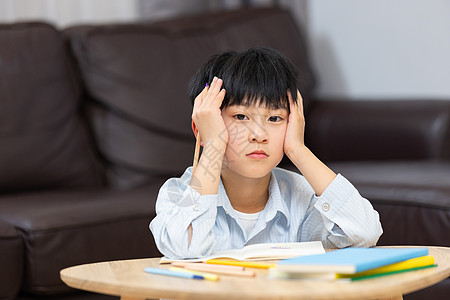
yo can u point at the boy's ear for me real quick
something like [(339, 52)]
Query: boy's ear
[(195, 131)]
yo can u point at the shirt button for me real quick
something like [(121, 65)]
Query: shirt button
[(325, 207), (196, 207)]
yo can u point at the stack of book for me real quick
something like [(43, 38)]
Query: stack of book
[(354, 263)]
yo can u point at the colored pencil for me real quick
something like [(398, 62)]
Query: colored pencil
[(218, 269), (172, 273), (246, 264), (196, 152), (207, 276)]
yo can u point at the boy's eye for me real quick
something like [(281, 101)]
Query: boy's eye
[(275, 119), (240, 117)]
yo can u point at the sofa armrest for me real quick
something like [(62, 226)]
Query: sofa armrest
[(11, 261), (344, 130)]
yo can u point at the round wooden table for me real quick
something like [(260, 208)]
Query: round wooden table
[(128, 280)]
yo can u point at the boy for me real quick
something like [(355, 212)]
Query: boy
[(248, 117)]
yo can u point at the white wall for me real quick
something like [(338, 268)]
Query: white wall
[(64, 13), (386, 48), (359, 49)]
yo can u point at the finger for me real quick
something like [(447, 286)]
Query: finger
[(216, 88), (220, 97), (212, 87), (199, 99), (203, 96), (204, 91), (215, 95), (292, 106)]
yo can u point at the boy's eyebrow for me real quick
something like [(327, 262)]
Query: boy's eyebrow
[(268, 111), (277, 110), (240, 106)]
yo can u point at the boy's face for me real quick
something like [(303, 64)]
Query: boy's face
[(255, 139)]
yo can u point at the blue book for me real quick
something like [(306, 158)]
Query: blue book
[(349, 260)]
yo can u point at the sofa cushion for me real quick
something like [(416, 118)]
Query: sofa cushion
[(66, 228), (11, 261), (42, 140), (138, 74), (412, 198), (369, 130)]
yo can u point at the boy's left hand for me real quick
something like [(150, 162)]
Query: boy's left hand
[(295, 132), (318, 175)]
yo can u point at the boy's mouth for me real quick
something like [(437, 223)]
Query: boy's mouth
[(257, 154)]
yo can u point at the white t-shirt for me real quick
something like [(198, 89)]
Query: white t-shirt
[(247, 221)]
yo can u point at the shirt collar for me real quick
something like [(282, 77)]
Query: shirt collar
[(224, 202), (275, 202)]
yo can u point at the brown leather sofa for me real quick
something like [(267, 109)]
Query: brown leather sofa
[(93, 119)]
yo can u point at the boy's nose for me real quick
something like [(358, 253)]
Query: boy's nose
[(258, 135)]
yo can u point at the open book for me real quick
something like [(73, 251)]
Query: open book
[(264, 251)]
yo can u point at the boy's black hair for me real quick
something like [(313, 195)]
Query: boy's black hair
[(259, 75), (213, 67)]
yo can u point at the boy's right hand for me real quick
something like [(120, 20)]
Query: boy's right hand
[(207, 115)]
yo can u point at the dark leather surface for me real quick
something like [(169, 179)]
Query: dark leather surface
[(364, 130), (139, 75), (74, 295), (137, 151), (435, 292), (412, 198), (43, 143), (11, 261), (66, 228)]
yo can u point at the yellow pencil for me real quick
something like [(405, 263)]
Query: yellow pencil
[(207, 276), (217, 269), (246, 264), (196, 152)]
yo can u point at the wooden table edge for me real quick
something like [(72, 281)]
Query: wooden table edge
[(131, 295)]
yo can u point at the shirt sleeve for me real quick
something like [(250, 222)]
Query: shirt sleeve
[(341, 217), (178, 206)]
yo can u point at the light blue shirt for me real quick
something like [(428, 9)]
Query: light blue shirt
[(340, 217)]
